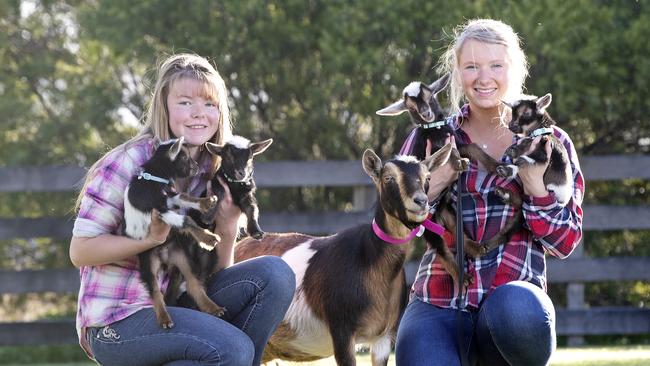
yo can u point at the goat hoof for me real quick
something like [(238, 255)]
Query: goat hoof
[(467, 280), (218, 311), (258, 235), (209, 203), (503, 194), (463, 164), (167, 324), (503, 171)]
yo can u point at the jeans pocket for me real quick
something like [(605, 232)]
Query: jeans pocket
[(104, 334)]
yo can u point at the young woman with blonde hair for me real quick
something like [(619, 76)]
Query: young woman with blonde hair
[(507, 317), (115, 320)]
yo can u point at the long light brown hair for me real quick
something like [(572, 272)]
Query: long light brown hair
[(156, 119)]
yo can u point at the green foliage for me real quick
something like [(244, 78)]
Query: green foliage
[(25, 355)]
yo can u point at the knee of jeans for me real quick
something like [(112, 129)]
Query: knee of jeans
[(239, 351), (520, 306), (278, 277)]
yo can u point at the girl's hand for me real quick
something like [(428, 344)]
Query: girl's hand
[(158, 230), (532, 176), (441, 176), (227, 214)]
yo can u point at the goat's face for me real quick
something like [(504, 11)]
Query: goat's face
[(402, 184), (237, 156), (420, 100), (174, 156), (528, 114)]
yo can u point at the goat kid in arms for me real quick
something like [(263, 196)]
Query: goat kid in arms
[(432, 131), (236, 170), (350, 287), (152, 191), (532, 123)]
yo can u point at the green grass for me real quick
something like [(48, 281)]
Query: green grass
[(587, 356)]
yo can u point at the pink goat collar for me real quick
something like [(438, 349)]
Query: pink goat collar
[(417, 231)]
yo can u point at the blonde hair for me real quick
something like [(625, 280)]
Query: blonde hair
[(486, 31), (156, 121)]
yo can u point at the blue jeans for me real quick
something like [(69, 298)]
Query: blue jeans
[(515, 325), (256, 294)]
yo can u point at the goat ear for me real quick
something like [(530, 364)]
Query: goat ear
[(214, 149), (439, 158), (260, 147), (509, 105), (176, 148), (438, 85), (544, 101), (372, 164), (394, 109)]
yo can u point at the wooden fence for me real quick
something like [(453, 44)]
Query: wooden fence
[(577, 320)]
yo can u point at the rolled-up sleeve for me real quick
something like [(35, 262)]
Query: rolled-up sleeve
[(558, 228), (102, 206)]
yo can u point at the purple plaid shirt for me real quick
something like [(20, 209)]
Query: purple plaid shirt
[(112, 292), (548, 228)]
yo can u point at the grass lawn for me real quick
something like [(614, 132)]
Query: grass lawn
[(591, 356), (588, 356)]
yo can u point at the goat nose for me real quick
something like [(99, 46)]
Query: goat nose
[(421, 201)]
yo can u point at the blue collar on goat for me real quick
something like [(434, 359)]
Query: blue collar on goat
[(541, 131), (434, 124), (146, 176), (246, 181)]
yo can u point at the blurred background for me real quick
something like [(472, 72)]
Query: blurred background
[(75, 77)]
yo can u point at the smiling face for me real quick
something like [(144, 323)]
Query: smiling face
[(484, 73), (193, 112)]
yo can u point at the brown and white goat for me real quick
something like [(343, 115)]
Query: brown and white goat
[(421, 102), (350, 287)]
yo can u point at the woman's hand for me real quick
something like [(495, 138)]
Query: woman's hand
[(441, 176), (227, 213), (158, 229), (532, 175)]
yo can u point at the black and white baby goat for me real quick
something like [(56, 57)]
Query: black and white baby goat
[(529, 120), (153, 189), (237, 171), (421, 102)]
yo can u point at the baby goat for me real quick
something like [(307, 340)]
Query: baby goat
[(153, 189), (237, 171), (350, 286), (421, 102), (529, 120)]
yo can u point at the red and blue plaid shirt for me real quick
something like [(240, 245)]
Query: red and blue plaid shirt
[(548, 228)]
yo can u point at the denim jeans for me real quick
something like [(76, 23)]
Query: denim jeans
[(256, 294), (515, 325)]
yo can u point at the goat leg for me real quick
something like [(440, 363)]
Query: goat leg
[(206, 239), (343, 343), (195, 285), (184, 200), (149, 266), (249, 207), (474, 152), (457, 162)]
